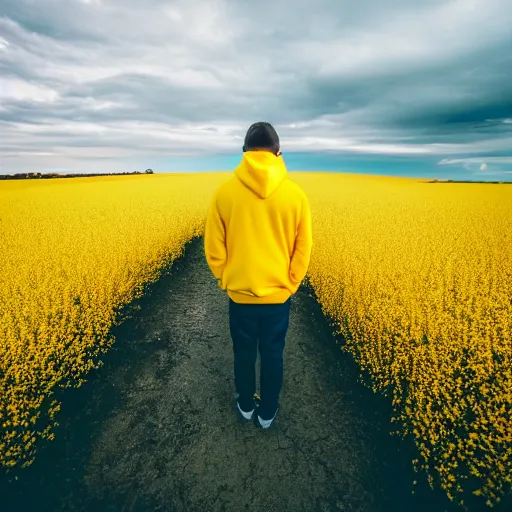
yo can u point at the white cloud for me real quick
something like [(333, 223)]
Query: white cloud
[(474, 160), (15, 89)]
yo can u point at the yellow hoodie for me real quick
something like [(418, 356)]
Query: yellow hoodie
[(258, 235)]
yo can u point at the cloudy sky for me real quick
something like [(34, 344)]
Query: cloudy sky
[(384, 86)]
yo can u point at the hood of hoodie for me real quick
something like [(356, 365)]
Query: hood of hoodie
[(262, 172)]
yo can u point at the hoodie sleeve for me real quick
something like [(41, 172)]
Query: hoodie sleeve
[(303, 245), (215, 240)]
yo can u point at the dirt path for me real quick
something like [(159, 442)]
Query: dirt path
[(156, 429)]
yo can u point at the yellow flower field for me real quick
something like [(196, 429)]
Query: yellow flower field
[(418, 277), (73, 251)]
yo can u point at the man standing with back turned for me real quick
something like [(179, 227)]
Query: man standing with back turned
[(257, 242)]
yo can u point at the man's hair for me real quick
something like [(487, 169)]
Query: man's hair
[(261, 135)]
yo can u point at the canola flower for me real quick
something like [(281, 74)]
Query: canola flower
[(73, 252), (417, 276), (418, 279)]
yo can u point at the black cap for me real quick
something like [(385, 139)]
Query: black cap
[(261, 135)]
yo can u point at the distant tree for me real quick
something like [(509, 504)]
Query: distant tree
[(149, 171)]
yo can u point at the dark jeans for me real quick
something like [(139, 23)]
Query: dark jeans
[(268, 324)]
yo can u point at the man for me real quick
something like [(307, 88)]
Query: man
[(258, 244)]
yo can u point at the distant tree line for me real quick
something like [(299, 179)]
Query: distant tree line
[(47, 175), (470, 181)]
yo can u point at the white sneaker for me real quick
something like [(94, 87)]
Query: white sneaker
[(266, 423), (246, 415)]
